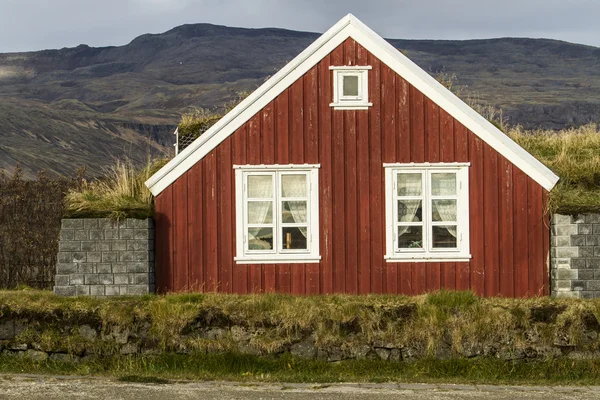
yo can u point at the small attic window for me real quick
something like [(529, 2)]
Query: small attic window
[(350, 87)]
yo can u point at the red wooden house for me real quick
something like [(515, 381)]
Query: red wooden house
[(352, 170)]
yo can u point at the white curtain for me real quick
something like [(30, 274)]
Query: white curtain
[(295, 186), (409, 210), (408, 186), (447, 211), (259, 186)]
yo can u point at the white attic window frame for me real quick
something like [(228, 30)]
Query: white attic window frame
[(360, 101)]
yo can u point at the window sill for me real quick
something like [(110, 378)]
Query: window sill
[(429, 258), (304, 260), (351, 106)]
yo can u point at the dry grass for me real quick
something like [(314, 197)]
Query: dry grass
[(121, 193)]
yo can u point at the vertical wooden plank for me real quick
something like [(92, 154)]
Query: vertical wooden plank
[(477, 212), (461, 154), (225, 221), (240, 273), (377, 178), (282, 128), (163, 240), (253, 157), (448, 269), (211, 228), (505, 227), (311, 151), (268, 158), (363, 188), (419, 278), (406, 279), (417, 126), (535, 217), (491, 221), (325, 177), (350, 184), (546, 244), (403, 142), (180, 253), (339, 168), (432, 154), (520, 240), (195, 225)]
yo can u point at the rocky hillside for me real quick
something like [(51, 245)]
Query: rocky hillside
[(60, 109)]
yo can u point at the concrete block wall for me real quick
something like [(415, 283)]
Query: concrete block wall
[(575, 256), (103, 257)]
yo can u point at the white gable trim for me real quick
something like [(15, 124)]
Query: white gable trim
[(350, 26)]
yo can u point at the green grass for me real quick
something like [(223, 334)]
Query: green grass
[(245, 368)]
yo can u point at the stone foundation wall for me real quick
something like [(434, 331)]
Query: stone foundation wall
[(103, 257), (575, 256)]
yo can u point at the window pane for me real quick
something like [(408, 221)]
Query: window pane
[(443, 184), (260, 238), (410, 211), (409, 184), (293, 212), (260, 212), (443, 210), (293, 185), (294, 238), (444, 236), (350, 85), (260, 186), (410, 237)]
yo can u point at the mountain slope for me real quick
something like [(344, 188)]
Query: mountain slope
[(83, 105)]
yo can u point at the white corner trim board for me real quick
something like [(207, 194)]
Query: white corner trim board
[(350, 26)]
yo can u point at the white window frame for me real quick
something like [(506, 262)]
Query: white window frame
[(277, 254), (427, 253), (341, 102)]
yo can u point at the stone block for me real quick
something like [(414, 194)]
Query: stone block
[(565, 230), (111, 234), (79, 257), (65, 290), (140, 245), (578, 285), (88, 245), (151, 277), (588, 294), (64, 257), (592, 218), (111, 290), (137, 267), (567, 252), (69, 245), (126, 256), (136, 289), (82, 290), (71, 224), (121, 279), (569, 274), (104, 268), (596, 273), (109, 256), (586, 251), (567, 295), (141, 256), (119, 268), (61, 280), (578, 219), (76, 279), (85, 268), (92, 279), (591, 240), (141, 279), (106, 279), (81, 235), (578, 263), (107, 223), (592, 285), (586, 274), (125, 233), (67, 234), (119, 245), (584, 229), (559, 219), (562, 262), (562, 241), (94, 256), (90, 223), (96, 234), (103, 245), (593, 263), (578, 240), (97, 290), (143, 234), (139, 223), (66, 268), (151, 266), (559, 284)]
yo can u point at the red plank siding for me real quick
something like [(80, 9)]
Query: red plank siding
[(195, 217)]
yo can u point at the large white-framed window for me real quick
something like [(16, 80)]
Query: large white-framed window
[(277, 213), (427, 212), (350, 87)]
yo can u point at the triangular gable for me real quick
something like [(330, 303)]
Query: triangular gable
[(350, 26)]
